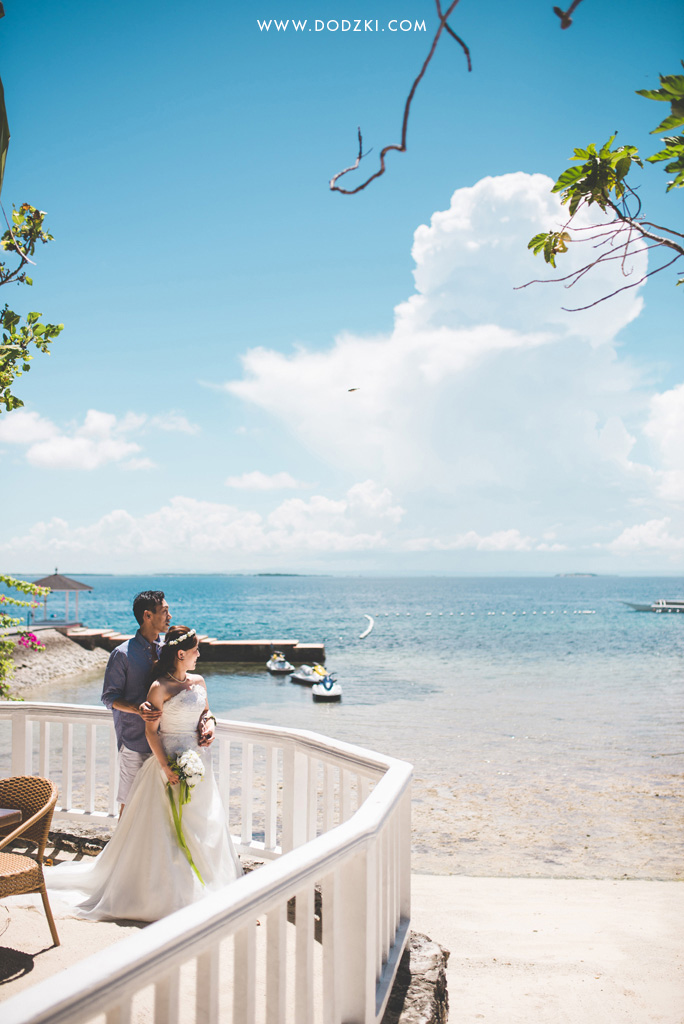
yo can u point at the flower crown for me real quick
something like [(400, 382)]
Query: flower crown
[(180, 639)]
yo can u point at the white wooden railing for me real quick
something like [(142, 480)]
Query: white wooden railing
[(332, 819)]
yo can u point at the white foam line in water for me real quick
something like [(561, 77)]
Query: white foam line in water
[(371, 623)]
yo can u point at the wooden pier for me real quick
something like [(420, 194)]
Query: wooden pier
[(211, 649)]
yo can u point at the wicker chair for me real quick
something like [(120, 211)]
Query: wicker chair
[(36, 799)]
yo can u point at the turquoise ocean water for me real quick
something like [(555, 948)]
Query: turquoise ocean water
[(546, 698)]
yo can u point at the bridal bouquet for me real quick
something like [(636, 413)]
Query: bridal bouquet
[(189, 768)]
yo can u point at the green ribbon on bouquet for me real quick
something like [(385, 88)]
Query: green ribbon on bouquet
[(183, 798)]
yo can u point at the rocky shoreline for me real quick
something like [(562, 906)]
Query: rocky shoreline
[(61, 659)]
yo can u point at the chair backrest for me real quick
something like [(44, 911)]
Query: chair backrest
[(31, 794)]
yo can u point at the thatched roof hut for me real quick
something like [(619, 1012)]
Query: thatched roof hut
[(61, 584)]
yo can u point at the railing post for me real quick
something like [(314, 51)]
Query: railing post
[(44, 750), (276, 964), (246, 793), (67, 793), (357, 938), (295, 803), (90, 767), (271, 811), (22, 742), (167, 998), (330, 897), (207, 991), (244, 974), (304, 943), (405, 855)]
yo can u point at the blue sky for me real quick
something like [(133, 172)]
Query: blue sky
[(219, 300)]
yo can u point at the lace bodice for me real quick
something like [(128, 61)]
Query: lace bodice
[(180, 715)]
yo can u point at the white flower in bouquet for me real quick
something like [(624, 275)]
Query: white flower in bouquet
[(190, 767)]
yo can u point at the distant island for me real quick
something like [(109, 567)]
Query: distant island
[(568, 575)]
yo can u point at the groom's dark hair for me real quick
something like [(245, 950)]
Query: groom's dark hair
[(146, 601)]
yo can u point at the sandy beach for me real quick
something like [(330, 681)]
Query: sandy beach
[(480, 826)]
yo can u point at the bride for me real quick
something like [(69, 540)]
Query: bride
[(144, 873)]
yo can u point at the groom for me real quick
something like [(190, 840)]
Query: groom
[(126, 682)]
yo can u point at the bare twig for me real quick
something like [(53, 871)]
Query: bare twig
[(607, 235), (634, 284), (605, 257), (454, 36), (657, 227), (401, 147), (638, 226), (626, 253), (356, 163)]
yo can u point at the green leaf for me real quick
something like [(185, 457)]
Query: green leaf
[(673, 84), (653, 94), (568, 177), (622, 167), (673, 121), (537, 242), (605, 150)]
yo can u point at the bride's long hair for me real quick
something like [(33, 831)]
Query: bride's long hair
[(178, 638)]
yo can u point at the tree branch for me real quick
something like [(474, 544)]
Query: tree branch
[(605, 257), (634, 284), (401, 147), (454, 36)]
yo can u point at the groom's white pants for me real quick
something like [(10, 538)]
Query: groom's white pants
[(130, 763)]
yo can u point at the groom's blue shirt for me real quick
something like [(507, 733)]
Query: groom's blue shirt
[(127, 677)]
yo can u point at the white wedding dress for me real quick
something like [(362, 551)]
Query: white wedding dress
[(143, 874)]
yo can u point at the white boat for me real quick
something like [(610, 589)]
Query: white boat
[(278, 664), (661, 605), (307, 675), (326, 691)]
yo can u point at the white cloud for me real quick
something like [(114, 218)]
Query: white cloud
[(189, 533), (24, 427), (652, 536), (102, 438), (174, 422), (486, 405), (665, 428), (258, 481), (500, 540), (472, 256), (370, 499)]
